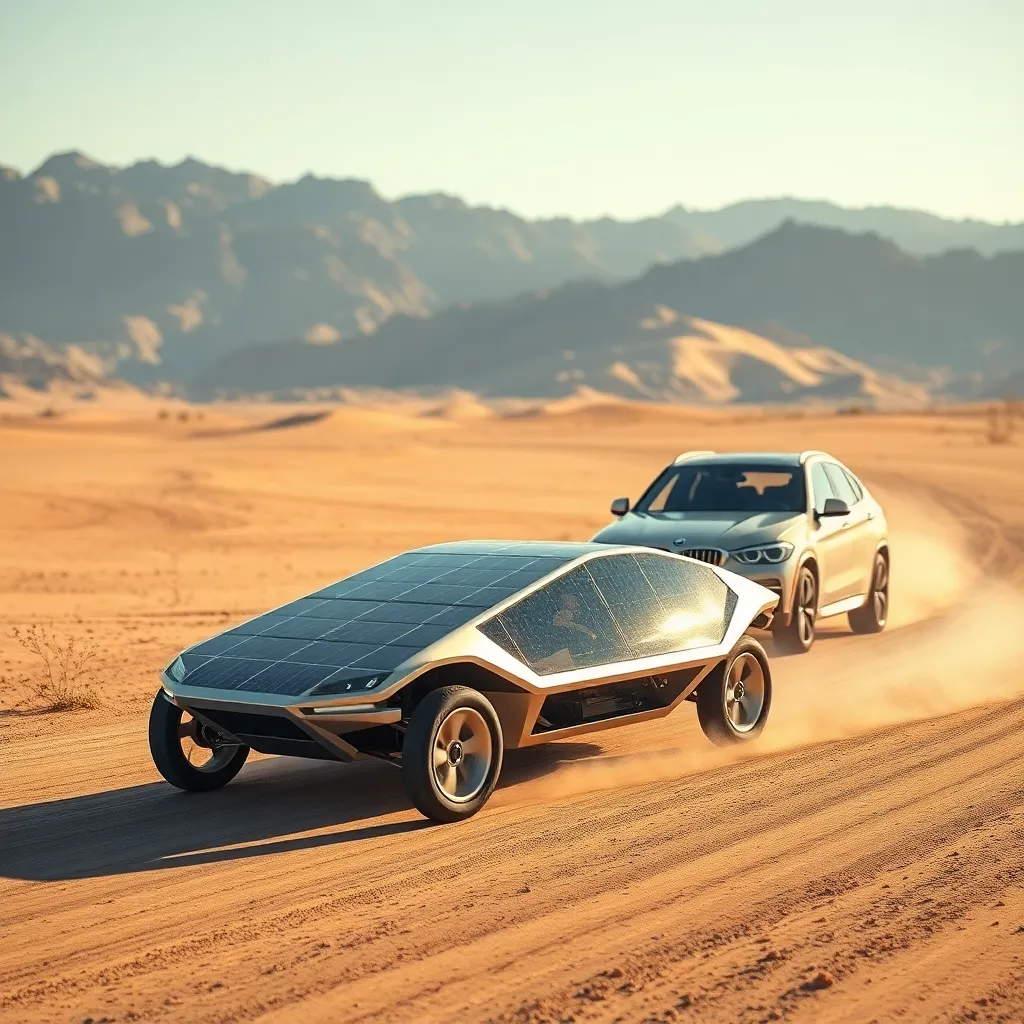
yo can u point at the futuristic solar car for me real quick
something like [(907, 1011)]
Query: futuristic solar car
[(441, 658)]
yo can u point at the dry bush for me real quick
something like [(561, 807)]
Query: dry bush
[(162, 414), (66, 664)]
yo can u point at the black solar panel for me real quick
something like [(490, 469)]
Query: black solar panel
[(372, 621)]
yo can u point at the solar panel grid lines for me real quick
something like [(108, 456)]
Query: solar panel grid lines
[(372, 621)]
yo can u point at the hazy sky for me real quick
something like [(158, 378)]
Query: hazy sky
[(564, 106)]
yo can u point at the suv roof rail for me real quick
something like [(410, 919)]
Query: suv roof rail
[(804, 456), (690, 455)]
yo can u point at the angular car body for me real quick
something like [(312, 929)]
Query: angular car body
[(799, 523), (441, 658)]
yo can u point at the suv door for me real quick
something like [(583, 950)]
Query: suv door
[(831, 542), (858, 526)]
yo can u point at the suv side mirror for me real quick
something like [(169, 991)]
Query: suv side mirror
[(620, 506), (835, 507)]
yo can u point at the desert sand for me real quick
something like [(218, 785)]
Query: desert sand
[(861, 863)]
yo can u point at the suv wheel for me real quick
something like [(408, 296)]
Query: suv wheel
[(797, 635), (872, 616)]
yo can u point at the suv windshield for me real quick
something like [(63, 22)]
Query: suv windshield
[(726, 487)]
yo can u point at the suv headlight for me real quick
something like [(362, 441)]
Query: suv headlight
[(764, 554)]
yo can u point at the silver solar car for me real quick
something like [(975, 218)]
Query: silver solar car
[(439, 659), (799, 523)]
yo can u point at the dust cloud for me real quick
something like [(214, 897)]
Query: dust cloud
[(954, 641), (933, 568)]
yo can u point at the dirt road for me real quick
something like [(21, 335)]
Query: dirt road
[(864, 863)]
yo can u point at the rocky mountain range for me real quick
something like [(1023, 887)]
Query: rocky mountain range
[(650, 337), (208, 278)]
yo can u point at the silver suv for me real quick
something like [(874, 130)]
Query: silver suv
[(799, 523)]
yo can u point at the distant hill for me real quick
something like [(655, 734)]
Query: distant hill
[(914, 231), (664, 356), (859, 294), (662, 335), (164, 271)]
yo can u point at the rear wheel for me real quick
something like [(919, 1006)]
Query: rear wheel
[(797, 635), (872, 616), (452, 753), (187, 753), (734, 699)]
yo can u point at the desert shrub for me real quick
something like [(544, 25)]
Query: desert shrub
[(162, 414), (66, 666), (183, 415)]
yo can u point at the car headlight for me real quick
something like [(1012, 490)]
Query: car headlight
[(764, 554), (177, 670)]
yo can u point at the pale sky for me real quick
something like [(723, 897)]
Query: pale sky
[(571, 107)]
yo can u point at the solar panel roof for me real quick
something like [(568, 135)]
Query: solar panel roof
[(367, 624)]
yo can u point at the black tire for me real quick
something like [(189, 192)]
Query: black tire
[(433, 785), (797, 635), (165, 744), (872, 616), (726, 717)]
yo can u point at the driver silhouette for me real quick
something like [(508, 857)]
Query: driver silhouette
[(571, 638), (567, 616)]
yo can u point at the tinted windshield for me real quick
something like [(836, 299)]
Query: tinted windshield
[(726, 487)]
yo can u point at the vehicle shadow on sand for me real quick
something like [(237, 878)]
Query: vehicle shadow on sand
[(266, 810)]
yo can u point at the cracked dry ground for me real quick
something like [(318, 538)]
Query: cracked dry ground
[(863, 866)]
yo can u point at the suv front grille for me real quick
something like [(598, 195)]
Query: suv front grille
[(713, 556)]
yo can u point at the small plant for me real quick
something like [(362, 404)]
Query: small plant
[(66, 666), (162, 414), (183, 415)]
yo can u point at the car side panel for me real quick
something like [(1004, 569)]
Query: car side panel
[(833, 544), (860, 536)]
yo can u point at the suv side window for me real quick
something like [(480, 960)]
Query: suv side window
[(840, 484), (820, 486), (858, 488)]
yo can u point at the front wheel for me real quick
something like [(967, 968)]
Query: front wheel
[(452, 752), (187, 753), (734, 699), (872, 616), (797, 635)]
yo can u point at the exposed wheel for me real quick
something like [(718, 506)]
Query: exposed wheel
[(187, 753), (452, 753), (734, 699), (872, 616), (797, 635)]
